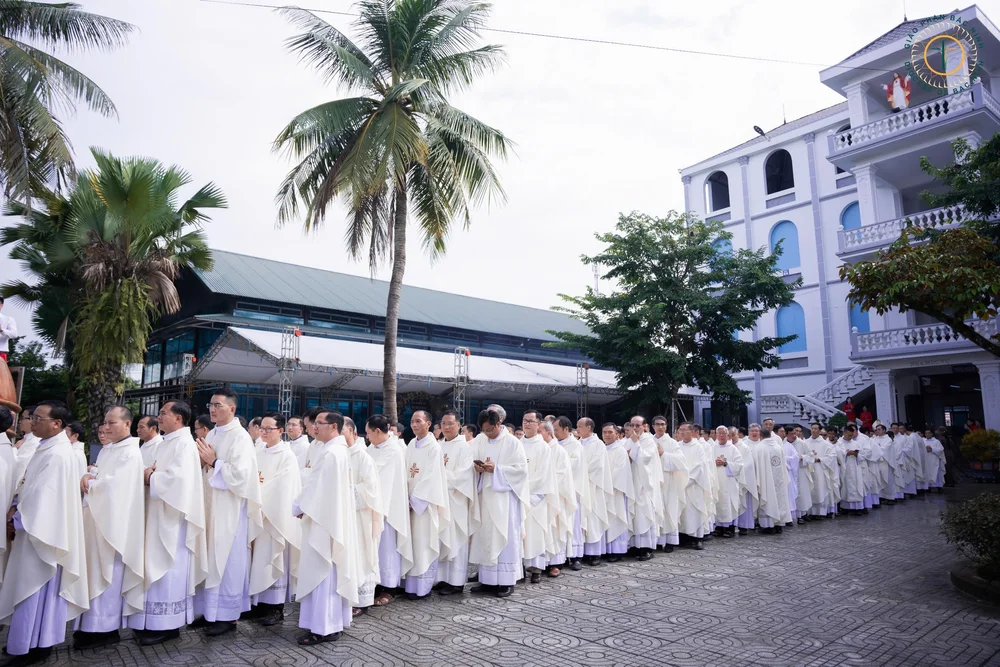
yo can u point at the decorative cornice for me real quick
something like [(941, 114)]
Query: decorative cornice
[(744, 161), (686, 180), (810, 137)]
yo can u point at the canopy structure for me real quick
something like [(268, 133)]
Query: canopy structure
[(251, 356)]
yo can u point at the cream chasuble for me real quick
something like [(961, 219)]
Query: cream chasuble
[(390, 460), (461, 478), (562, 522), (8, 464), (280, 485), (772, 481), (430, 515), (727, 507), (490, 529), (674, 466), (545, 504), (51, 514), (747, 478), (646, 503), (581, 477), (622, 506), (699, 505), (114, 520), (854, 480), (824, 472), (595, 523), (371, 520), (148, 450)]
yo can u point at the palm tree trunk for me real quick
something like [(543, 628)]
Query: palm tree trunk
[(389, 407), (102, 395)]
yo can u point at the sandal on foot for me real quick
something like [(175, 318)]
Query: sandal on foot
[(312, 639)]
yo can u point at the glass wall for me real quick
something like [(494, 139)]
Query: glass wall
[(153, 365), (176, 348)]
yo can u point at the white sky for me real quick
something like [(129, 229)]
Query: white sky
[(599, 129)]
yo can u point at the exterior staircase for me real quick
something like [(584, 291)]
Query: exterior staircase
[(821, 404)]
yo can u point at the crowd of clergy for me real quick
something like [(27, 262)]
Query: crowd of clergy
[(186, 525)]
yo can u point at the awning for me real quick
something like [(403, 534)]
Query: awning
[(251, 356)]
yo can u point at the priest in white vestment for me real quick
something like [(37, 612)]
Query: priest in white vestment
[(853, 450), (747, 479), (878, 472), (912, 460), (148, 430), (893, 479), (46, 580), (793, 461), (645, 465), (728, 465), (803, 473), (934, 461), (597, 521), (25, 447), (696, 515), (298, 441), (395, 548), (275, 555), (774, 511), (75, 432), (453, 567), (674, 481), (504, 494), (545, 504), (430, 515), (823, 457), (232, 498), (563, 429), (621, 505), (114, 520), (564, 522), (331, 569), (918, 453), (368, 508), (8, 463)]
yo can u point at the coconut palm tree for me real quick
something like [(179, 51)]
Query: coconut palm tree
[(34, 148), (395, 149)]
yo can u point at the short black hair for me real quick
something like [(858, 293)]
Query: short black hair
[(242, 420), (6, 418), (181, 409), (851, 427), (588, 422), (909, 426), (532, 411), (473, 429), (335, 418), (611, 424), (256, 421), (1, 298), (491, 417), (204, 421), (427, 415), (815, 424), (76, 428), (151, 421), (400, 427), (58, 410), (228, 393), (660, 418), (509, 425), (765, 433), (564, 422), (124, 412), (295, 417), (312, 413), (378, 423), (279, 420), (452, 413)]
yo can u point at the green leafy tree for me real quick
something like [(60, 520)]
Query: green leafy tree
[(396, 150), (34, 148), (675, 304), (41, 381), (951, 275)]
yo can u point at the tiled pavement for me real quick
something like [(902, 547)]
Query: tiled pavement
[(849, 591)]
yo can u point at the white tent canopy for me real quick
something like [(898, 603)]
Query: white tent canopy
[(250, 356)]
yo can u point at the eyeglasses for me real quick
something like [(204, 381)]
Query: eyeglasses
[(215, 405), (268, 429), (36, 418), (324, 423), (529, 421)]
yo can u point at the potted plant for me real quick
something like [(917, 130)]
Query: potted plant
[(981, 449), (974, 528)]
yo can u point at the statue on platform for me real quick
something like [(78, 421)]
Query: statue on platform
[(898, 92), (8, 392)]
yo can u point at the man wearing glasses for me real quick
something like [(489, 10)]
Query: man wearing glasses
[(544, 507), (232, 495), (46, 580)]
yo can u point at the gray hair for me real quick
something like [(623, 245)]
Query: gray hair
[(754, 425), (499, 410), (547, 427)]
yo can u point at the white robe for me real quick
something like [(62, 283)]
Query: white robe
[(648, 490), (300, 448), (621, 506), (581, 482), (564, 523), (148, 450), (81, 457), (114, 519), (8, 464), (772, 481), (276, 550), (370, 518), (23, 456), (430, 514), (747, 478), (935, 462), (727, 507), (330, 569), (176, 548), (805, 482), (675, 480), (823, 472), (390, 460), (596, 522), (461, 477), (853, 495), (497, 537), (49, 548), (544, 504), (699, 498)]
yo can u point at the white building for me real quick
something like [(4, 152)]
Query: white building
[(835, 187)]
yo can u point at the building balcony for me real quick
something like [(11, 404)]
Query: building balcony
[(864, 241), (974, 109), (926, 340)]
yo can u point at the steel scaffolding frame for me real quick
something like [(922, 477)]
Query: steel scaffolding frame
[(461, 379), (286, 368), (582, 390)]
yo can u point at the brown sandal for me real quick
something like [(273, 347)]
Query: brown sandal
[(382, 600)]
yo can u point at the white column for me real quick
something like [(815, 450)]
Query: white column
[(867, 194), (687, 193), (989, 382), (857, 103), (885, 395)]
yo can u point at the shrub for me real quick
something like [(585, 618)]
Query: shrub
[(981, 445), (974, 527), (838, 420)]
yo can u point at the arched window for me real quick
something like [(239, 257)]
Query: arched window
[(791, 321), (786, 233), (851, 217), (717, 191), (778, 171), (859, 319), (723, 246), (843, 129)]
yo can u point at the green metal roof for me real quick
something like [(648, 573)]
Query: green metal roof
[(257, 278)]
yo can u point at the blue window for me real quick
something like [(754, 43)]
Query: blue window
[(859, 319), (723, 246), (786, 233), (851, 217), (791, 321)]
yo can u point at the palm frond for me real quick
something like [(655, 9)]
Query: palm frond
[(331, 52), (62, 24)]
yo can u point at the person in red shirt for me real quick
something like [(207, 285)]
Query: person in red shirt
[(866, 417), (849, 411)]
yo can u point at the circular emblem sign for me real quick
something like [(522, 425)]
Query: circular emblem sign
[(944, 53)]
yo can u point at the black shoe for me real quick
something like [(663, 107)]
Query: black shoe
[(574, 564), (743, 531), (767, 531), (778, 530), (536, 577), (668, 548), (483, 588), (474, 579), (256, 612), (219, 628), (504, 591), (32, 657), (800, 521), (85, 640), (592, 561), (199, 622), (614, 558), (310, 639), (789, 524), (154, 637), (698, 545), (448, 589), (273, 617), (414, 596), (644, 555)]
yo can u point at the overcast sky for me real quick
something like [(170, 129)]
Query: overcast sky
[(599, 129)]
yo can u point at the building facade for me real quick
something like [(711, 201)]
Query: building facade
[(839, 185)]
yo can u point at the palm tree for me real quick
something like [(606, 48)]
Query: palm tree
[(34, 149), (114, 249), (397, 147)]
